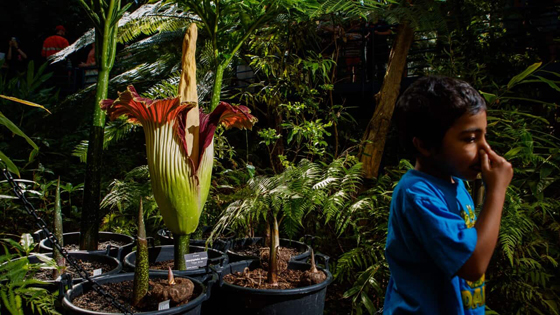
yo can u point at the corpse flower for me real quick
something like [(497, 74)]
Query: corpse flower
[(180, 181), (179, 145)]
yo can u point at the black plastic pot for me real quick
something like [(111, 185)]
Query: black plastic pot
[(216, 258), (53, 285), (233, 256), (221, 244), (38, 235), (309, 300), (192, 308), (115, 251)]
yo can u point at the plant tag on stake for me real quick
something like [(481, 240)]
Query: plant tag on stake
[(196, 260), (163, 305), (97, 272)]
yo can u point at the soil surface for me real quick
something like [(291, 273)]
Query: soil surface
[(163, 265), (206, 235), (166, 264), (283, 257), (100, 246), (256, 250), (88, 266), (123, 293), (256, 279)]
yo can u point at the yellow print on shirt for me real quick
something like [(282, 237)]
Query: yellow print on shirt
[(474, 299), (477, 297), (468, 217)]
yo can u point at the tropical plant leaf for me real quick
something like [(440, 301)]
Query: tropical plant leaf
[(518, 78)]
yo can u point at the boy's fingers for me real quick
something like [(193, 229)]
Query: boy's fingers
[(484, 161), (493, 156)]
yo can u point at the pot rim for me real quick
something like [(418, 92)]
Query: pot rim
[(127, 258), (172, 310), (294, 291)]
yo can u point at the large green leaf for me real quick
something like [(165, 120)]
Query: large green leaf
[(9, 164), (13, 128), (24, 102), (516, 79)]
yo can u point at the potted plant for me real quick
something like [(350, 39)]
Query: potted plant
[(284, 286), (95, 265), (19, 290), (182, 295), (111, 244), (179, 146)]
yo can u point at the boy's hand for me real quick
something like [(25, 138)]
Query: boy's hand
[(497, 172)]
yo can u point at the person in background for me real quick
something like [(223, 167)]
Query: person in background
[(15, 58), (90, 73), (377, 49), (55, 43)]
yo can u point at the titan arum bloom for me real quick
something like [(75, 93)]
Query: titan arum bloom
[(179, 145)]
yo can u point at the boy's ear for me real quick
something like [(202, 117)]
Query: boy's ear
[(421, 147)]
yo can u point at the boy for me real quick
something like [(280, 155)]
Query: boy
[(436, 248)]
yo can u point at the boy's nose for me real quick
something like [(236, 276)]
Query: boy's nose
[(484, 145)]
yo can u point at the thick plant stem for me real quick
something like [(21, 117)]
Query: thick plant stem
[(89, 228), (106, 43), (141, 272), (273, 259), (217, 89), (58, 231), (180, 248)]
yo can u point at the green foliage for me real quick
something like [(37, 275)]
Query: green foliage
[(523, 274), (363, 219), (123, 202), (40, 191), (25, 86), (294, 93), (114, 131), (19, 292)]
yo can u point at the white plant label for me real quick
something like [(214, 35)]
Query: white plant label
[(196, 260), (97, 272), (163, 305)]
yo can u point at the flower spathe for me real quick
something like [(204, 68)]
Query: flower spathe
[(180, 181)]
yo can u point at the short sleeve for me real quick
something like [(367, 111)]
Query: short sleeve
[(443, 233)]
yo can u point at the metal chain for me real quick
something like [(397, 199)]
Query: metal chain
[(43, 226)]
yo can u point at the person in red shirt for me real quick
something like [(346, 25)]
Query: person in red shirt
[(55, 43)]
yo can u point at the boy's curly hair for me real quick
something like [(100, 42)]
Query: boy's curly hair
[(430, 106)]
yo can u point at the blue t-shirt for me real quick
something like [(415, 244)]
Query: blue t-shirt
[(431, 235)]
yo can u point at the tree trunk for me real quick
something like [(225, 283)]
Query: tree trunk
[(106, 42), (378, 127)]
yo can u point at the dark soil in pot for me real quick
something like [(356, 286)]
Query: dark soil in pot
[(90, 262), (88, 266), (162, 257), (287, 278), (122, 290), (255, 248), (120, 244), (100, 246), (300, 300), (221, 243), (257, 279)]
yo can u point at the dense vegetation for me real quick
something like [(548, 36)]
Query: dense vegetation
[(312, 115)]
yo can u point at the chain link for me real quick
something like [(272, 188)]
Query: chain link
[(43, 226)]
